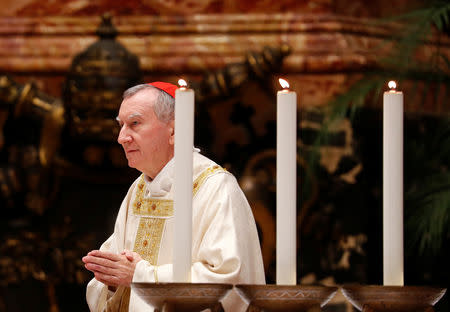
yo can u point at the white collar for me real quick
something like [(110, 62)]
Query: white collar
[(162, 183)]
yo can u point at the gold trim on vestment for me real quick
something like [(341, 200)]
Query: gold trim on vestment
[(153, 214), (151, 207), (120, 301), (202, 177), (151, 223), (148, 238), (125, 302)]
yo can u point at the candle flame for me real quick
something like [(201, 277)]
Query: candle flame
[(182, 83), (284, 84), (392, 85)]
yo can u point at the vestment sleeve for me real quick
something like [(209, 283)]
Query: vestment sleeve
[(97, 293), (227, 245)]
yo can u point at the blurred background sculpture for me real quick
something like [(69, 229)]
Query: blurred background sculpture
[(92, 94)]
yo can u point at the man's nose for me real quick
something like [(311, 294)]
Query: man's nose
[(124, 136)]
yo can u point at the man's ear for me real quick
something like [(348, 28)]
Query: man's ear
[(171, 125)]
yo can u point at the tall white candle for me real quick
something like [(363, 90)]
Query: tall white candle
[(393, 187), (286, 186), (184, 142)]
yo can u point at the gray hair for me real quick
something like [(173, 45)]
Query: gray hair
[(164, 106)]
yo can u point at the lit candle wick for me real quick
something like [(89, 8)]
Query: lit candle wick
[(182, 83), (284, 84), (392, 86)]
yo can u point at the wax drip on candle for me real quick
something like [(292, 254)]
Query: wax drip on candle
[(392, 86), (284, 84), (182, 83)]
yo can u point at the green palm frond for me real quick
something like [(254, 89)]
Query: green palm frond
[(427, 177), (428, 212)]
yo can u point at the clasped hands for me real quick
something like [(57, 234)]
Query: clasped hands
[(112, 269)]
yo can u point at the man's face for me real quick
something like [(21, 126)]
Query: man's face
[(147, 141)]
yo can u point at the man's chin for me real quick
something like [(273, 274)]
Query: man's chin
[(132, 164)]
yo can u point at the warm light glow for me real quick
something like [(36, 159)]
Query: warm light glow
[(182, 83), (392, 85), (284, 84)]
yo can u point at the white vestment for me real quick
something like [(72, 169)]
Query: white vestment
[(225, 245)]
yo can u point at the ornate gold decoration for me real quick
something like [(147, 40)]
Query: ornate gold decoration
[(120, 300), (51, 131), (95, 83), (223, 82), (151, 207), (148, 238), (153, 214), (204, 175), (27, 100)]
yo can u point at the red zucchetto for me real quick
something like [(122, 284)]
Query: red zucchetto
[(165, 86)]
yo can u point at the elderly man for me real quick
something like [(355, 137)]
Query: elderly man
[(225, 245)]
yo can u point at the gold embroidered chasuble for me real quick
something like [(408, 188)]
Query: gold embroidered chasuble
[(153, 213), (225, 244)]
